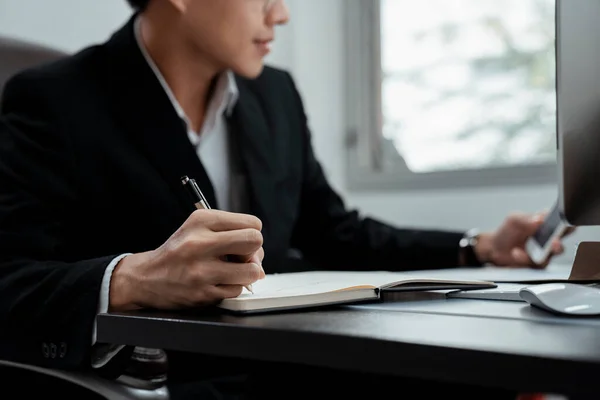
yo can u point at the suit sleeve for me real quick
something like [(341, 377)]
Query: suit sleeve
[(331, 236), (48, 298)]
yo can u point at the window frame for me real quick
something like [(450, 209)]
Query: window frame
[(371, 166)]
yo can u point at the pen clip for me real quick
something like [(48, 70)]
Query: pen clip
[(200, 194)]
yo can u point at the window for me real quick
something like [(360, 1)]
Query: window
[(451, 92)]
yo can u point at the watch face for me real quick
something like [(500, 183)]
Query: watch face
[(470, 239), (473, 240)]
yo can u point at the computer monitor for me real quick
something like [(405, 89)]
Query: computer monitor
[(578, 109)]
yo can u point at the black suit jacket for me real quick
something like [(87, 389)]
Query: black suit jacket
[(91, 155)]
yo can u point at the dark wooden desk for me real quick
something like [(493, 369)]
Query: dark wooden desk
[(499, 344)]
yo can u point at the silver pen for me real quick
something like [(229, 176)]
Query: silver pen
[(200, 202)]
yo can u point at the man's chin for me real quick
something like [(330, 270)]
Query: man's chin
[(250, 72)]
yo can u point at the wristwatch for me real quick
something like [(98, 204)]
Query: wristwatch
[(467, 248)]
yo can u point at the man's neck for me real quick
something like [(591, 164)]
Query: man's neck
[(190, 79)]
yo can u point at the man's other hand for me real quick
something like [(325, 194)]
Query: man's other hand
[(505, 247)]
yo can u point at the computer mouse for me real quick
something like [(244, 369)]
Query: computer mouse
[(563, 298)]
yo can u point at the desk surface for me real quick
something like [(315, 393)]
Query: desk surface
[(502, 344)]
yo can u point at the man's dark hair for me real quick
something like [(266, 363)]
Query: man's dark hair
[(138, 5)]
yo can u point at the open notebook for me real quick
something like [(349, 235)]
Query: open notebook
[(321, 288)]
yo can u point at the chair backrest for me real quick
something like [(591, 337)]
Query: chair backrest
[(16, 55)]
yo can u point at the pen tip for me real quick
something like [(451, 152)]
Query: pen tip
[(184, 179)]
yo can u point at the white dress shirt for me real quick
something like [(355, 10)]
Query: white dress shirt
[(213, 149)]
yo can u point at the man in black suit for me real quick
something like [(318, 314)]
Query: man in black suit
[(93, 216)]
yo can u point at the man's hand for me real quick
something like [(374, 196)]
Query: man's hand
[(506, 246), (212, 256)]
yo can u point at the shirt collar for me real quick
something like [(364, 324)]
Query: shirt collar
[(226, 82)]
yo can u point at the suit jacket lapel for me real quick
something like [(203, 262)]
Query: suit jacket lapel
[(255, 146), (150, 119)]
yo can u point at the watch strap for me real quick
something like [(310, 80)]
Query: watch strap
[(467, 246)]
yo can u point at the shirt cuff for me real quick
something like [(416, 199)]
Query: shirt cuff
[(103, 353)]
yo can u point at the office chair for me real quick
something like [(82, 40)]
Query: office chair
[(41, 381), (16, 55)]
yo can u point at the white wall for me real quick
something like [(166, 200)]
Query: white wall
[(65, 24), (311, 47)]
